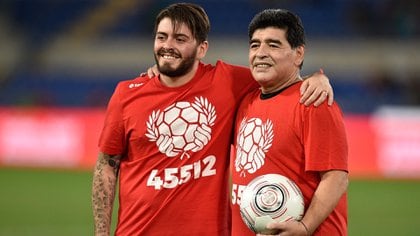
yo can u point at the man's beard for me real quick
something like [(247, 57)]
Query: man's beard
[(184, 67)]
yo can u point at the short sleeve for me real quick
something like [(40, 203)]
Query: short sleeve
[(242, 80), (112, 138), (325, 140)]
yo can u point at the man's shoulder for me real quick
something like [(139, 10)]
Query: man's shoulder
[(240, 75), (221, 63)]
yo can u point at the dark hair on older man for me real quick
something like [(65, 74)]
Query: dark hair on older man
[(282, 19)]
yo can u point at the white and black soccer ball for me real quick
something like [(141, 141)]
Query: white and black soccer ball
[(270, 197)]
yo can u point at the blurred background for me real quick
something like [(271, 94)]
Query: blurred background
[(61, 59)]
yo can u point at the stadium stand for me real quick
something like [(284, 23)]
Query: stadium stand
[(72, 53)]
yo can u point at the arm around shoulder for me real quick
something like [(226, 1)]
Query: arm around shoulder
[(315, 89)]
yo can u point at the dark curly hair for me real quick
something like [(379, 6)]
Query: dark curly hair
[(282, 19), (192, 15)]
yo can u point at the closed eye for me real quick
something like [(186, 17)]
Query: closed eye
[(160, 37), (254, 45)]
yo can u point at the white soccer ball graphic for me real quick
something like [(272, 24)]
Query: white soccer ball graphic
[(179, 121), (253, 141), (182, 127), (270, 197)]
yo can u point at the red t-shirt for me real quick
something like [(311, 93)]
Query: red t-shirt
[(280, 135), (175, 146)]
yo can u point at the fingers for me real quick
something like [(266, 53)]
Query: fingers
[(330, 97), (202, 136), (150, 72), (303, 89), (317, 97), (316, 89), (320, 99), (290, 227), (166, 146), (163, 143), (316, 94), (279, 227)]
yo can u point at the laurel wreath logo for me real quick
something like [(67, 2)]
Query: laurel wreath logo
[(152, 131), (244, 162), (201, 105), (268, 135)]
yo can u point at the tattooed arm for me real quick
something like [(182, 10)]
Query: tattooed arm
[(103, 191)]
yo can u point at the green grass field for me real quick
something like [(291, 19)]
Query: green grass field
[(53, 202)]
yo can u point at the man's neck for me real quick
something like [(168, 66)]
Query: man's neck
[(292, 79), (178, 81)]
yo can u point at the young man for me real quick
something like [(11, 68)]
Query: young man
[(306, 144), (166, 139)]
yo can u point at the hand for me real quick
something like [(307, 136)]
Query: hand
[(151, 72), (315, 89), (202, 136), (288, 228), (165, 145)]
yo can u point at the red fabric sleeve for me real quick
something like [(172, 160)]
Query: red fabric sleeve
[(112, 138), (325, 138)]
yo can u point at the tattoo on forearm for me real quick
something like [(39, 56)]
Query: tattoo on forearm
[(114, 162), (103, 191)]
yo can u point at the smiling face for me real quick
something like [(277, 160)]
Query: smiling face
[(273, 62), (176, 50)]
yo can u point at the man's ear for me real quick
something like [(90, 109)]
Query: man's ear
[(202, 49), (300, 55)]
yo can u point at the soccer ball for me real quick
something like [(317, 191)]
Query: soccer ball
[(270, 197)]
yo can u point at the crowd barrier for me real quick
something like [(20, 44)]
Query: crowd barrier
[(385, 144)]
